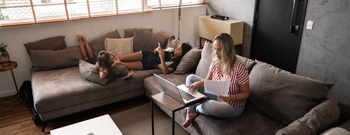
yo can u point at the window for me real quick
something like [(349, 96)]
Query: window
[(19, 12)]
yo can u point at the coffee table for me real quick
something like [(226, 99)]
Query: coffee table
[(170, 103), (102, 125)]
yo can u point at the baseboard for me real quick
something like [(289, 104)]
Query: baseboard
[(8, 93)]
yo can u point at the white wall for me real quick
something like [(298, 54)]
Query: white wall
[(92, 28)]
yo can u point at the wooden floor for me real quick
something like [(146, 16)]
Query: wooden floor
[(15, 119)]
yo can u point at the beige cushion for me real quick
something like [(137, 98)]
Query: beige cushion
[(119, 46), (336, 131), (97, 44), (50, 59), (189, 61), (283, 95), (130, 32), (52, 43), (146, 41), (205, 61), (317, 120)]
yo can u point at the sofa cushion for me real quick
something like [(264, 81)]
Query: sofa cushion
[(146, 41), (57, 89), (249, 63), (122, 46), (97, 44), (283, 95), (128, 33), (205, 61), (189, 61), (52, 43), (173, 42), (165, 34), (50, 59), (336, 131), (91, 73), (319, 119)]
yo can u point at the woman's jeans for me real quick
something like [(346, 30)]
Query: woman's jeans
[(213, 106)]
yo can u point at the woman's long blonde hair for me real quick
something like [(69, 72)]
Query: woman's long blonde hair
[(228, 53)]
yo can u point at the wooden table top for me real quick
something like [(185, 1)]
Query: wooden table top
[(167, 101), (8, 66)]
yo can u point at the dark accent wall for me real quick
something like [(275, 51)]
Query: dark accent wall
[(325, 50)]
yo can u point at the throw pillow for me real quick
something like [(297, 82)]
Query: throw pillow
[(146, 41), (122, 46), (172, 42), (189, 61), (165, 34), (205, 61), (120, 70), (90, 72), (336, 131), (249, 63), (283, 95), (50, 59), (97, 44), (317, 120), (52, 43), (130, 32)]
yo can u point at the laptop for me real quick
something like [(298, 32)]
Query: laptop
[(180, 93)]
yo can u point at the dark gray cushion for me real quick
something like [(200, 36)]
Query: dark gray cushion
[(130, 32), (249, 63), (120, 70), (146, 41), (50, 59), (165, 34), (283, 95), (90, 72), (97, 44), (205, 61), (316, 121), (52, 43), (172, 42), (189, 61)]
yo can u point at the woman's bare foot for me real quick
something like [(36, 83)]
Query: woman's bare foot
[(191, 114)]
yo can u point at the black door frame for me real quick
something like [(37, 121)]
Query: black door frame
[(255, 19)]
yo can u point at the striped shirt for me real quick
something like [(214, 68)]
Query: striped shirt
[(239, 75)]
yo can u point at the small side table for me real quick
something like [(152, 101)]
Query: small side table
[(171, 104), (9, 66)]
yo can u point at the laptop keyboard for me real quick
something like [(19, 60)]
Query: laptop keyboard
[(185, 95)]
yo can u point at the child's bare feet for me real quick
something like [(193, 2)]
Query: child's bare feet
[(191, 114)]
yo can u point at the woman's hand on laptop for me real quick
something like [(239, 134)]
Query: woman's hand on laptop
[(193, 87)]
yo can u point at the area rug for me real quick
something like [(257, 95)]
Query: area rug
[(137, 121)]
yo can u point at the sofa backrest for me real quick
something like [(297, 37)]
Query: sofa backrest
[(283, 95), (207, 56)]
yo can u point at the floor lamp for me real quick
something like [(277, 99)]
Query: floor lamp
[(178, 28)]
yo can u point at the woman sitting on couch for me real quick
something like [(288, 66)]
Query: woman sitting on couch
[(224, 66), (157, 59)]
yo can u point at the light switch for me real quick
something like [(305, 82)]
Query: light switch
[(309, 25)]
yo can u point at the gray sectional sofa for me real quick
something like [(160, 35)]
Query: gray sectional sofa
[(280, 102)]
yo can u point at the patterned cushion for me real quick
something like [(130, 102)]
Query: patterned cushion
[(121, 46)]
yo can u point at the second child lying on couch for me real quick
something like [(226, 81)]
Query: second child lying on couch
[(159, 58)]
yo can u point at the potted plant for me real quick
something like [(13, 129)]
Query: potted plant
[(4, 55)]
